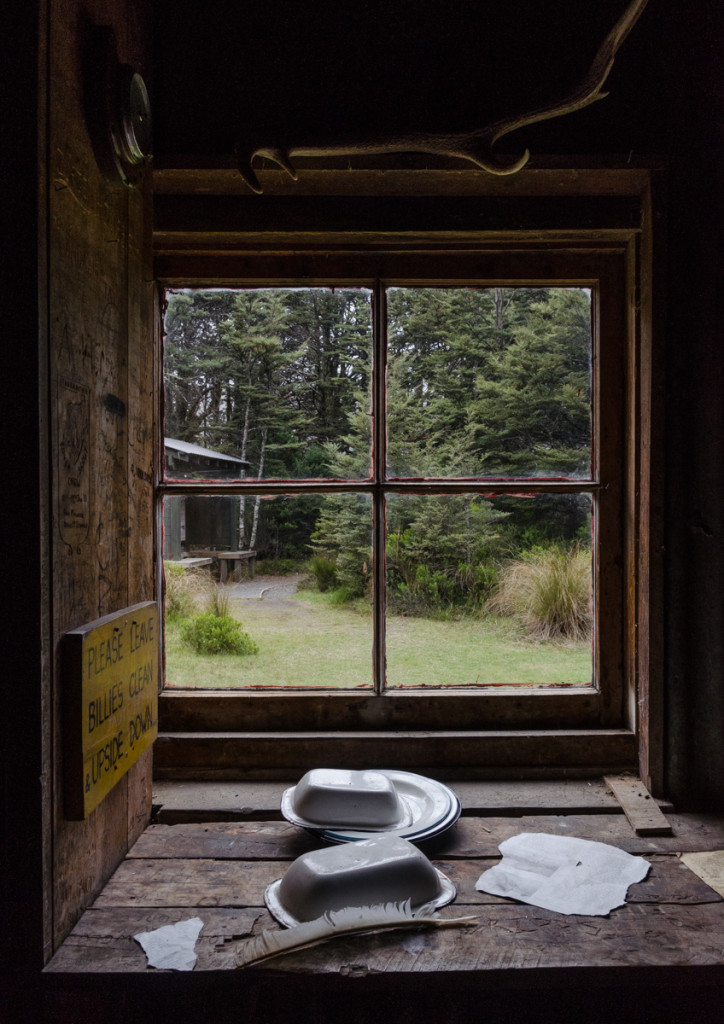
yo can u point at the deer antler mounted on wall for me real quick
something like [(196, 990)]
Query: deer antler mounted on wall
[(475, 146)]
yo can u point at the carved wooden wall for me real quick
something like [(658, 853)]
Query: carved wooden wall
[(101, 428)]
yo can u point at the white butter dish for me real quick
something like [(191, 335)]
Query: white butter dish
[(384, 869), (336, 797)]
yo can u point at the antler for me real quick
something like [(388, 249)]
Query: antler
[(589, 89), (475, 146)]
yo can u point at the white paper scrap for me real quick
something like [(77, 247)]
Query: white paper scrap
[(172, 947), (561, 873)]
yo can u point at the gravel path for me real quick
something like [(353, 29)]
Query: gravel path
[(265, 588)]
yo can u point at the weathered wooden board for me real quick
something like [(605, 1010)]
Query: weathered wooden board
[(111, 698), (237, 801), (233, 883), (103, 939), (272, 840), (638, 805), (187, 755), (118, 956), (190, 883), (472, 837), (522, 937), (510, 936), (515, 798), (469, 837), (360, 181), (222, 923)]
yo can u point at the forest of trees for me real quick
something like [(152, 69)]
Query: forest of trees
[(481, 382)]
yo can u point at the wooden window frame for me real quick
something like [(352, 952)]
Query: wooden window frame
[(207, 241)]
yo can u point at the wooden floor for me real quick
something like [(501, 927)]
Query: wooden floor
[(218, 871)]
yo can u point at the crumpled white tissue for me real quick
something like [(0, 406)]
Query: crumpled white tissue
[(172, 946), (562, 873)]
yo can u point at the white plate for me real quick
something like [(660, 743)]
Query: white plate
[(434, 808)]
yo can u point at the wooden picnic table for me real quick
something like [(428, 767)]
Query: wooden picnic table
[(229, 561)]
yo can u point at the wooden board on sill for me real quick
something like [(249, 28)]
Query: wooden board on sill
[(645, 816)]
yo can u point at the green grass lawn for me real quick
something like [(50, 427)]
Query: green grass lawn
[(304, 641)]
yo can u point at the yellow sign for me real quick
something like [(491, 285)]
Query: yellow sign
[(110, 689)]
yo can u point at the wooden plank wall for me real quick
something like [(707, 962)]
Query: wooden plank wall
[(101, 422)]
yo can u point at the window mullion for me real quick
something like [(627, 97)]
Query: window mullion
[(379, 472)]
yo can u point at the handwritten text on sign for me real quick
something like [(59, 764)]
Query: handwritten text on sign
[(111, 683)]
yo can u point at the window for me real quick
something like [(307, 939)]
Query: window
[(476, 415)]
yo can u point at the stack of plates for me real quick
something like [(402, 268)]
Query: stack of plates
[(433, 808)]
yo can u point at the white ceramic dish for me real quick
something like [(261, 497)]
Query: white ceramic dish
[(434, 808), (378, 870), (339, 798)]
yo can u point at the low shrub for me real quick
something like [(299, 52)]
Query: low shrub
[(324, 571), (481, 581), (549, 591), (342, 595), (439, 594), (217, 634)]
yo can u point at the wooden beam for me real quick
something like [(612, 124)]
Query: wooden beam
[(177, 754), (229, 214), (360, 179), (257, 711)]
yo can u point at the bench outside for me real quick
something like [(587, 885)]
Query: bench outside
[(230, 560), (189, 563)]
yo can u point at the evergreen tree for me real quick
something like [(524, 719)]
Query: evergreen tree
[(481, 382), (344, 535), (332, 331), (440, 551), (194, 365), (531, 412), (442, 341)]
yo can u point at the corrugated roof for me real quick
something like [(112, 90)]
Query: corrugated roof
[(196, 449)]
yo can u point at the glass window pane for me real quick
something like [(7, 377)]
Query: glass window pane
[(268, 383), (489, 382), (247, 558), (488, 592)]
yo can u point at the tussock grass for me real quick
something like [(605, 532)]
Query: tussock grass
[(188, 592), (219, 603), (549, 591)]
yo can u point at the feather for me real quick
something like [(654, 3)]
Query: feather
[(349, 921)]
